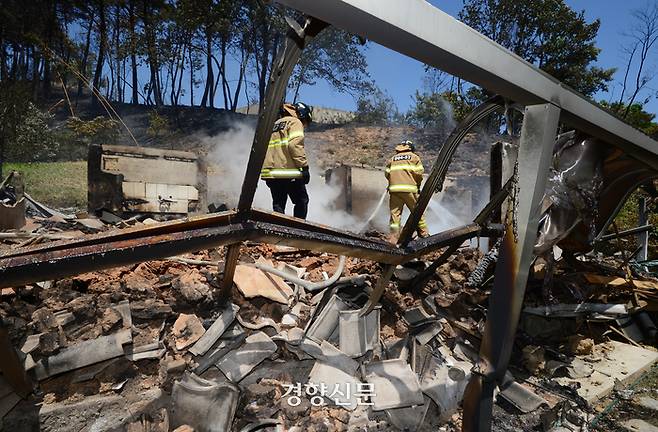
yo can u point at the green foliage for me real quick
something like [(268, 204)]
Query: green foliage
[(375, 108), (100, 130), (628, 217), (430, 110), (636, 116), (336, 57), (438, 109), (158, 124), (33, 140), (547, 33)]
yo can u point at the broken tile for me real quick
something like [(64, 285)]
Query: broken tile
[(219, 350), (417, 316), (31, 343), (83, 354), (395, 384), (202, 404), (253, 282), (521, 397), (335, 379), (187, 329), (126, 316), (215, 331), (427, 333), (64, 317), (143, 352), (358, 335), (238, 363), (638, 425), (325, 324), (445, 383), (90, 372), (409, 418)]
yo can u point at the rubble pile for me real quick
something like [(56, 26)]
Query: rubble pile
[(154, 347)]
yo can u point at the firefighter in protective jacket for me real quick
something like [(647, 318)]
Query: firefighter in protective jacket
[(285, 169), (404, 172)]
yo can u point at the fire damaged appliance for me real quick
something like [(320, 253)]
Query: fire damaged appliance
[(129, 180)]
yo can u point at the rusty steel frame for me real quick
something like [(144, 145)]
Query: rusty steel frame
[(101, 251), (61, 259)]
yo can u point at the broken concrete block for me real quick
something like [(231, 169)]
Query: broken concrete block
[(83, 354), (215, 331), (648, 403), (358, 335), (237, 364), (395, 384), (174, 365), (206, 406), (253, 282), (193, 287), (187, 329)]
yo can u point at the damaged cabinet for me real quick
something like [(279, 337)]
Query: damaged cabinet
[(124, 179)]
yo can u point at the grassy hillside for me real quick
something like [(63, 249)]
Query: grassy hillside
[(56, 184)]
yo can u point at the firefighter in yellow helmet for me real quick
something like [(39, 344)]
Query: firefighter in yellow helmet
[(404, 172), (285, 169)]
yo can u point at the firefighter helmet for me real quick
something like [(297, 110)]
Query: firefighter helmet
[(304, 112)]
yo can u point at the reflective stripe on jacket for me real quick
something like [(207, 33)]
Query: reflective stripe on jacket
[(404, 171), (285, 156)]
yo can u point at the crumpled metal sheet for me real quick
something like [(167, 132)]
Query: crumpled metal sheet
[(573, 190)]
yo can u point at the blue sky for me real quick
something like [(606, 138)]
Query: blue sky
[(401, 76)]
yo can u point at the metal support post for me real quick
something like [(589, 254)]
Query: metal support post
[(643, 237), (230, 263), (536, 148), (496, 177)]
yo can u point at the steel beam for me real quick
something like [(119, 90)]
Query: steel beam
[(97, 252), (421, 31), (536, 148)]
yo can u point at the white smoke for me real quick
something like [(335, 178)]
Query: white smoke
[(227, 163)]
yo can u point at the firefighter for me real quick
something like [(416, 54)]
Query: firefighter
[(404, 172), (285, 169)]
